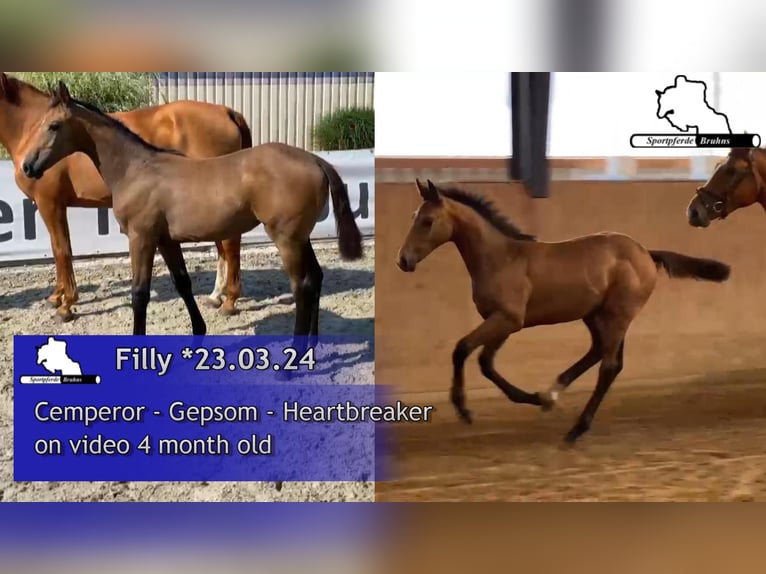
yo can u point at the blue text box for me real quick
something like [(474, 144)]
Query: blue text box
[(168, 408)]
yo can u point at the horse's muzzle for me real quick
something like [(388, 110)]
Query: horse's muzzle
[(695, 218), (31, 171), (405, 264)]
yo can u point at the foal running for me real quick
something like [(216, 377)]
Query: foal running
[(162, 198), (602, 279)]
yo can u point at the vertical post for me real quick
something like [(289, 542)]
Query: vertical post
[(514, 165), (529, 116), (539, 177), (580, 34)]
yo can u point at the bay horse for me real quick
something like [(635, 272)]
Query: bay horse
[(196, 128), (737, 182), (162, 198), (603, 279)]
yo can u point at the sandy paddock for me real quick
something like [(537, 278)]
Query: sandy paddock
[(266, 308)]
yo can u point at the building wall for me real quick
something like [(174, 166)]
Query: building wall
[(279, 106)]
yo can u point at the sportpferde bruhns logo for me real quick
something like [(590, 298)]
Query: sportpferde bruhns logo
[(685, 107), (54, 357)]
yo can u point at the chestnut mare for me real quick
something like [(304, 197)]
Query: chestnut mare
[(603, 279), (196, 128), (738, 181), (162, 198)]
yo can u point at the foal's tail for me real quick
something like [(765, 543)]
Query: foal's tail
[(683, 266), (245, 135), (349, 236)]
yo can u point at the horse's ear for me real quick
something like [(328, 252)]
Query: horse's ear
[(63, 93), (9, 88), (429, 192)]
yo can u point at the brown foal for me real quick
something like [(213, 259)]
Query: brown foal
[(195, 128), (162, 198), (602, 279)]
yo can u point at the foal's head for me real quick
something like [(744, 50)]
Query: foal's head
[(55, 136), (431, 227), (734, 184)]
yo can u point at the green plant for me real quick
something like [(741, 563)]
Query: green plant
[(347, 129), (110, 91)]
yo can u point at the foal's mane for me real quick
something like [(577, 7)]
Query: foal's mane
[(121, 127), (488, 211)]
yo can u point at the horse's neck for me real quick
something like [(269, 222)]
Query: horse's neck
[(112, 152), (15, 122), (479, 243)]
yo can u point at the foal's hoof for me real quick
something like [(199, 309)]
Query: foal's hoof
[(284, 376), (547, 401), (228, 310), (278, 486), (569, 442), (465, 415), (63, 316), (54, 301), (213, 302)]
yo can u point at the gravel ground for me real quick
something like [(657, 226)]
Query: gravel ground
[(266, 308)]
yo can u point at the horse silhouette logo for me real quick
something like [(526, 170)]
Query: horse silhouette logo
[(684, 107), (54, 357)]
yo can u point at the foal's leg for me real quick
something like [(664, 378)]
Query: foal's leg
[(293, 255), (569, 376), (215, 299), (492, 332), (174, 259), (487, 365), (142, 251), (314, 279), (613, 342), (231, 255)]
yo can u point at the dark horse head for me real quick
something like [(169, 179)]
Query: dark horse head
[(735, 183)]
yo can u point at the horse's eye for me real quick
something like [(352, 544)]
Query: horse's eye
[(54, 127)]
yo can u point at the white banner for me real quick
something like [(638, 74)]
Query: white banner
[(23, 236)]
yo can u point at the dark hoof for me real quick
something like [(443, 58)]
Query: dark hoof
[(213, 303), (570, 440), (64, 316), (228, 311), (286, 376), (465, 416), (278, 486)]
